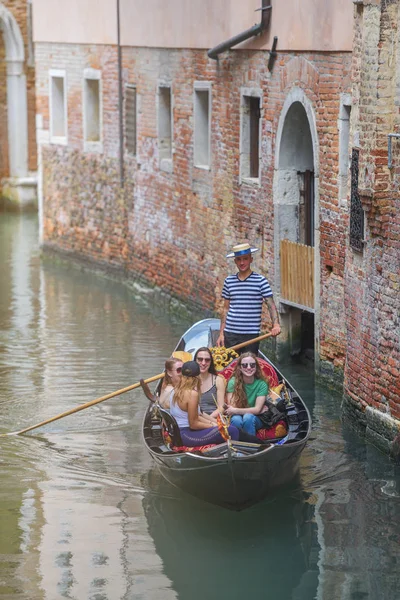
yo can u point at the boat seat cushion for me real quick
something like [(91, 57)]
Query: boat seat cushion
[(278, 430), (267, 369), (172, 436), (191, 448)]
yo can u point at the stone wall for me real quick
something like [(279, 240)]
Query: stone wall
[(372, 281), (20, 10), (174, 222)]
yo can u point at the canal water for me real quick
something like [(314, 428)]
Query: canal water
[(83, 513)]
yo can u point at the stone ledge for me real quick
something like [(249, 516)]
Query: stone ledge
[(378, 428)]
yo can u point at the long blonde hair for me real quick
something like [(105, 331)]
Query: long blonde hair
[(239, 393), (169, 363), (186, 384)]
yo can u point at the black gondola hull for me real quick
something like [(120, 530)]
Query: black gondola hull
[(234, 484), (232, 480)]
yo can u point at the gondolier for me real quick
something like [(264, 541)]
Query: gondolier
[(244, 294)]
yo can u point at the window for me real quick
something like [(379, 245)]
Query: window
[(164, 123), (202, 112), (344, 158), (250, 136), (92, 119), (356, 209), (58, 107), (130, 119)]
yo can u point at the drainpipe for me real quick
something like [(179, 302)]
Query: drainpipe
[(120, 101), (245, 35)]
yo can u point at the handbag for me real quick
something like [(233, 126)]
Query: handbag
[(273, 415)]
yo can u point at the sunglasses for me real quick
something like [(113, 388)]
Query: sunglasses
[(206, 360), (251, 365)]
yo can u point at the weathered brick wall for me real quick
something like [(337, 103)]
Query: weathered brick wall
[(19, 9), (372, 376), (174, 228)]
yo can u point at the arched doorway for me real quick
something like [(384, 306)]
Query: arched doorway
[(296, 225), (19, 186)]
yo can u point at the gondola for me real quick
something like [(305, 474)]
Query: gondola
[(234, 475)]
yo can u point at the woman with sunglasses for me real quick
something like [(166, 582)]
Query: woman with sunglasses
[(246, 391), (173, 374), (212, 385)]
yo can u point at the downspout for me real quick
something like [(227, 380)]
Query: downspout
[(265, 9), (120, 101)]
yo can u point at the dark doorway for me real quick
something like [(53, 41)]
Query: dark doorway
[(306, 213), (307, 335)]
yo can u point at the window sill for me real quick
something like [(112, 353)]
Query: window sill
[(59, 140), (93, 147), (166, 165), (252, 181), (203, 167)]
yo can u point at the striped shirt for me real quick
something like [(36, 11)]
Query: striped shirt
[(245, 302)]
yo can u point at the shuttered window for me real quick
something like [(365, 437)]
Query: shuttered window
[(130, 119), (356, 209)]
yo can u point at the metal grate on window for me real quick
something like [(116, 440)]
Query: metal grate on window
[(356, 209), (255, 114), (130, 119)]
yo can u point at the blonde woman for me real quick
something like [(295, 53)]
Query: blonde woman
[(196, 428), (173, 374)]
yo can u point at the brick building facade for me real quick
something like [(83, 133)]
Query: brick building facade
[(215, 152), (372, 277), (18, 157)]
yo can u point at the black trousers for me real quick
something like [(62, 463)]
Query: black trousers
[(231, 339)]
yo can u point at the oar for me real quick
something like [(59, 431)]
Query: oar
[(71, 411), (253, 341)]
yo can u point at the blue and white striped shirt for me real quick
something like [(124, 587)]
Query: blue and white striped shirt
[(245, 302)]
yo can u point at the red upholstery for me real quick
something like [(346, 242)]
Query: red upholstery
[(267, 369), (168, 441), (279, 430), (191, 448)]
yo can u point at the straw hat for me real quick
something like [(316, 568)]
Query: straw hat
[(240, 250)]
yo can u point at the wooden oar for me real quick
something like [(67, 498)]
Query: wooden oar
[(71, 411), (253, 341)]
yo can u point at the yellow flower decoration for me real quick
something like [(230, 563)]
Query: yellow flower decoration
[(222, 356)]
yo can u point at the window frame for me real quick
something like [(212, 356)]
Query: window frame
[(202, 86), (165, 162), (90, 74), (246, 94), (58, 139), (131, 86)]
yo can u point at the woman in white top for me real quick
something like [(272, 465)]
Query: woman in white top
[(173, 374), (196, 428)]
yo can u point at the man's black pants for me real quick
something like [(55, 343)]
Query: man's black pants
[(231, 339)]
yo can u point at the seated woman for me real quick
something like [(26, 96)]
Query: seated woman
[(246, 393), (212, 385), (173, 374), (196, 429)]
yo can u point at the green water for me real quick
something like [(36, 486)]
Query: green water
[(83, 515)]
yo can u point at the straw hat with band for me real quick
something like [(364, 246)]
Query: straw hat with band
[(241, 250)]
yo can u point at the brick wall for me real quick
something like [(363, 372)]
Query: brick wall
[(19, 9), (372, 278), (174, 228)]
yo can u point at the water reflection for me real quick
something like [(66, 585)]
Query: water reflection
[(83, 514), (211, 552)]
